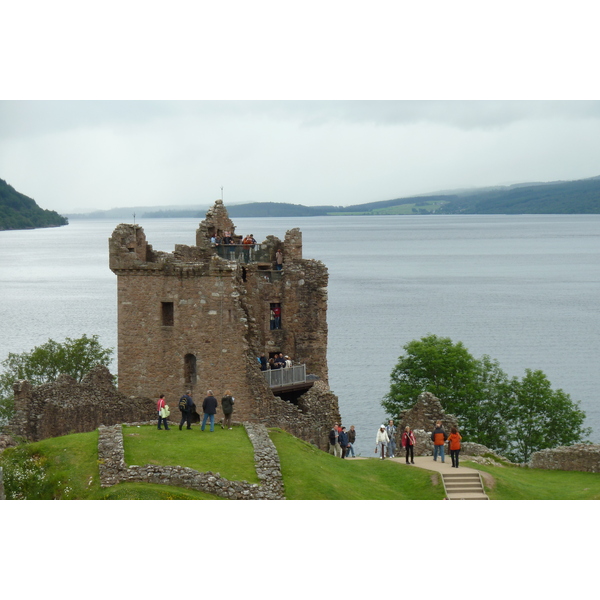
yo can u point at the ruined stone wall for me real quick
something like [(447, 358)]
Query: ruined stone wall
[(113, 470), (579, 457), (65, 406)]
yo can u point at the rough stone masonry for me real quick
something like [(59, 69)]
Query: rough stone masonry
[(198, 319)]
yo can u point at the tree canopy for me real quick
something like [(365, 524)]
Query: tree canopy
[(513, 417)]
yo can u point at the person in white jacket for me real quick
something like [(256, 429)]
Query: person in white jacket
[(381, 441)]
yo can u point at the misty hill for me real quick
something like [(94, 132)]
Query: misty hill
[(561, 197), (18, 211), (558, 197)]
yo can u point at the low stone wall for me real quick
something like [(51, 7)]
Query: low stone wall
[(113, 469), (579, 457)]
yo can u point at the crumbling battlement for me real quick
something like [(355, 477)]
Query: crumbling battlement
[(65, 406), (198, 319)]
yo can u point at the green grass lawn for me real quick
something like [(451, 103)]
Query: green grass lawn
[(517, 483), (228, 452), (310, 474)]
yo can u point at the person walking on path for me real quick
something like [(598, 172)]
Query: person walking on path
[(381, 441), (408, 443), (351, 440), (279, 260), (209, 408), (438, 437), (186, 406), (391, 431), (227, 407), (334, 445), (454, 441), (162, 408), (343, 439)]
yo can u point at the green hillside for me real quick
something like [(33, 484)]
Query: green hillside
[(18, 211), (66, 468), (562, 197)]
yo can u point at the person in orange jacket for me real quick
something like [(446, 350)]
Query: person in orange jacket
[(454, 440), (438, 437)]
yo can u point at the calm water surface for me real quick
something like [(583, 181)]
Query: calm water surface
[(523, 289)]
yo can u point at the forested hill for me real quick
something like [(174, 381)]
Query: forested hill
[(17, 211), (560, 197)]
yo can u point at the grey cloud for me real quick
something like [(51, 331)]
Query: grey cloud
[(30, 118)]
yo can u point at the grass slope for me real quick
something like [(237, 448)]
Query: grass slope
[(310, 474)]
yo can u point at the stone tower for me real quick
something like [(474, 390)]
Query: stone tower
[(198, 318)]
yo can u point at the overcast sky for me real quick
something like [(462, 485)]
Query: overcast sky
[(289, 129), (86, 155)]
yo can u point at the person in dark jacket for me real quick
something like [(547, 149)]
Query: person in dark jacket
[(186, 409), (209, 408), (263, 362), (351, 440), (343, 439), (438, 437), (227, 407)]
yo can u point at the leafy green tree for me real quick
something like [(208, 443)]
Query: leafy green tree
[(43, 364), (541, 417), (468, 388), (432, 364), (512, 417)]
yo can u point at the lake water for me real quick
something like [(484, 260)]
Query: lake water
[(523, 289)]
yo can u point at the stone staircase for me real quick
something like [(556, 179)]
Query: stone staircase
[(465, 485)]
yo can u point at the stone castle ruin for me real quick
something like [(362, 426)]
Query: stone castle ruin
[(198, 319)]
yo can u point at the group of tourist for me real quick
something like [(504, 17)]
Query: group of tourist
[(277, 361), (439, 438), (189, 413), (341, 442), (385, 442), (226, 238)]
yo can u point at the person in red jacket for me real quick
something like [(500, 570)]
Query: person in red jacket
[(438, 437), (408, 443), (454, 440), (160, 404)]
